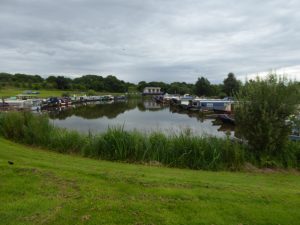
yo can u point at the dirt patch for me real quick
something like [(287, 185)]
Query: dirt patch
[(85, 217), (248, 167), (26, 171)]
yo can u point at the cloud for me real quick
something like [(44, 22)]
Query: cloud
[(150, 40), (291, 73)]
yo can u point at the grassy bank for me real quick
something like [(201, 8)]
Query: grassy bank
[(44, 187), (7, 92), (178, 150), (44, 93)]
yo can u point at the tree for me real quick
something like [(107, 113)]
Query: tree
[(141, 85), (89, 82), (65, 94), (180, 88), (36, 86), (217, 90), (231, 85), (62, 82), (261, 111), (203, 87), (91, 93)]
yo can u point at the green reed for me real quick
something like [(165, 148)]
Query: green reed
[(183, 150)]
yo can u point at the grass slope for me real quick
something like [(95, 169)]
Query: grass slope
[(6, 92), (49, 188)]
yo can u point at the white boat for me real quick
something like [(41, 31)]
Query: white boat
[(19, 104), (168, 97), (218, 105), (185, 101)]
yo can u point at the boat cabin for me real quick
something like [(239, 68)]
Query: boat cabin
[(212, 104)]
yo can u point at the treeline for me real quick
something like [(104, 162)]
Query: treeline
[(86, 82), (202, 87)]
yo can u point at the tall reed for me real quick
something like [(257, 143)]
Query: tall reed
[(183, 150)]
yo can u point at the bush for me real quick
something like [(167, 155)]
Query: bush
[(91, 93), (263, 106), (66, 94)]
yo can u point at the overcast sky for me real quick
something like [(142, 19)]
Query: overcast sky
[(162, 40)]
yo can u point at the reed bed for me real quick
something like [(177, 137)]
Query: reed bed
[(183, 150)]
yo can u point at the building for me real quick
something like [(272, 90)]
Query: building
[(152, 91)]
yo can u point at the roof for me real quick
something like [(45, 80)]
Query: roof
[(152, 87)]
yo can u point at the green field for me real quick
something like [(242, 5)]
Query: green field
[(8, 92), (43, 187)]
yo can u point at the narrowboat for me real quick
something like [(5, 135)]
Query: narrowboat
[(225, 118), (217, 105)]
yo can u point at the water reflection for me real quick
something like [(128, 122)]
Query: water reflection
[(93, 110), (142, 115)]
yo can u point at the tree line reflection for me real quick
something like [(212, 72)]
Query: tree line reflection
[(111, 110)]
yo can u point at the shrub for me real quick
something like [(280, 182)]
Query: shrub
[(263, 106), (91, 92), (66, 94)]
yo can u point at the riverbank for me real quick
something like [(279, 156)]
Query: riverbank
[(182, 150), (45, 93), (43, 187)]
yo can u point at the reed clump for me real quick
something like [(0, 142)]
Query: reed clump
[(183, 150)]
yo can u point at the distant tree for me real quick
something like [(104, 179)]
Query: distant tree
[(51, 82), (141, 85), (63, 82), (18, 77), (65, 94), (112, 84), (44, 84), (231, 85), (80, 87), (217, 90), (29, 85), (261, 111), (17, 84), (51, 79), (180, 88), (132, 89), (91, 93), (87, 82), (5, 77), (203, 87), (23, 85), (36, 86)]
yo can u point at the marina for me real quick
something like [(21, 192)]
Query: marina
[(141, 115), (170, 114)]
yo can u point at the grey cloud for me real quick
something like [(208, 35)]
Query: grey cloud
[(149, 40)]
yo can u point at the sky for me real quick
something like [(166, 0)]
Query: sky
[(151, 40)]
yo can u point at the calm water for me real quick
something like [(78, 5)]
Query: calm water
[(144, 116)]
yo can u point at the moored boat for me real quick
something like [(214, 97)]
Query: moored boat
[(185, 101), (225, 118), (293, 137), (217, 105)]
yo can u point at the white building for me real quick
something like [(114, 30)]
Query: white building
[(152, 91)]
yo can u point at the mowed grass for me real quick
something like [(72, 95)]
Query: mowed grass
[(8, 92), (43, 187)]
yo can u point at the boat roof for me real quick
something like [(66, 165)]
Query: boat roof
[(212, 100)]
